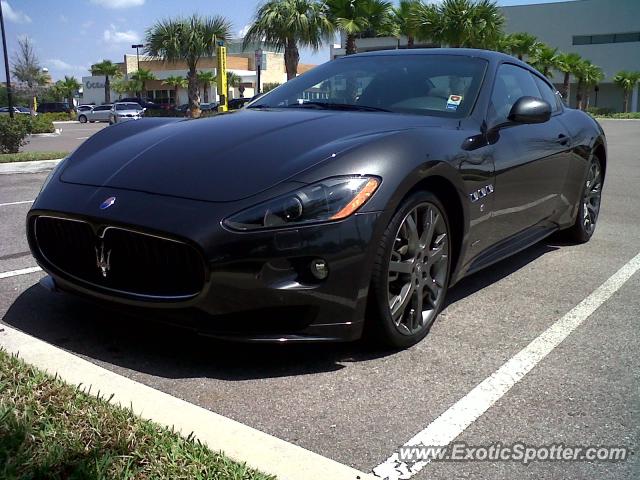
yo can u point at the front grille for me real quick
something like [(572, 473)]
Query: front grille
[(120, 260)]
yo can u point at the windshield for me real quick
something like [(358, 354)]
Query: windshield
[(441, 85), (128, 106)]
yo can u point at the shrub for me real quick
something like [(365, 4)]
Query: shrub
[(599, 110), (13, 132), (267, 87), (58, 117), (40, 124)]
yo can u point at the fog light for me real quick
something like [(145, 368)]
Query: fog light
[(319, 268)]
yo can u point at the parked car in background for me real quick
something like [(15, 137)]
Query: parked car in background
[(205, 107), (124, 111), (101, 113), (16, 110), (85, 108), (54, 107), (236, 103), (142, 103)]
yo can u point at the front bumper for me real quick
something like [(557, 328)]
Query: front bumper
[(258, 286)]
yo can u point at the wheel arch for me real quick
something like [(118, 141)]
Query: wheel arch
[(601, 152)]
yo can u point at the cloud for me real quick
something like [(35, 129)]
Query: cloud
[(63, 19), (12, 15), (112, 35), (118, 3), (243, 31), (67, 67)]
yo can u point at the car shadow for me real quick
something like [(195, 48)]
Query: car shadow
[(116, 340)]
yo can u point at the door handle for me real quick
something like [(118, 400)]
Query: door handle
[(563, 139)]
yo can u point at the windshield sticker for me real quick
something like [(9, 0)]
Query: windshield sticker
[(454, 102)]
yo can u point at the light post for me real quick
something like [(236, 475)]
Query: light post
[(6, 65), (137, 47), (258, 69)]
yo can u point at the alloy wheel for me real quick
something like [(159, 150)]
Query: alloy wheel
[(592, 196), (418, 269)]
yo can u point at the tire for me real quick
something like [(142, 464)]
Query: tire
[(407, 276), (111, 121), (82, 119), (589, 208)]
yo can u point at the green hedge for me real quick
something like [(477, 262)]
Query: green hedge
[(58, 117), (13, 131), (175, 113), (629, 115)]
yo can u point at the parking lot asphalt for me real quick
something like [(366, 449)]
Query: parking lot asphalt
[(357, 406), (71, 136)]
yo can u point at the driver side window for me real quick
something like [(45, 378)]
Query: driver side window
[(512, 82)]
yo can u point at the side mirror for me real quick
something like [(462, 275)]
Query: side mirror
[(530, 110)]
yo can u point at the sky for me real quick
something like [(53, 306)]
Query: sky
[(71, 35)]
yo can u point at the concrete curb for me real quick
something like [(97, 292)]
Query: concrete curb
[(238, 441), (37, 166), (65, 121), (54, 134)]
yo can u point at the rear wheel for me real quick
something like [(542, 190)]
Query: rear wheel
[(82, 119), (411, 271), (582, 230)]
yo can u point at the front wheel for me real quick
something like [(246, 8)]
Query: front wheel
[(82, 119), (112, 120), (589, 209), (411, 272)]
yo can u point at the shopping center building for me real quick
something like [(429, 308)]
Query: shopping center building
[(606, 32), (240, 61)]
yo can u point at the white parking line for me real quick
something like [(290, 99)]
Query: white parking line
[(23, 271), (15, 203), (444, 429)]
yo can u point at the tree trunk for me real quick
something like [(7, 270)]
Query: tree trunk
[(410, 41), (206, 92), (587, 98), (625, 106), (107, 89), (175, 96), (291, 58), (194, 96), (566, 85), (519, 56), (351, 47), (579, 95)]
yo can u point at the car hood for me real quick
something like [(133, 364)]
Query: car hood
[(227, 157)]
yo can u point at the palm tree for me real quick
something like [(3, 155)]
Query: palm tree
[(176, 82), (187, 39), (68, 88), (108, 69), (568, 64), (290, 24), (120, 85), (545, 59), (460, 23), (627, 81), (206, 79), (402, 16), (142, 76), (358, 18), (523, 44), (593, 75)]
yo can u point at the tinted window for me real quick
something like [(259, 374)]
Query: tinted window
[(511, 83), (128, 106), (102, 108), (548, 93), (441, 85)]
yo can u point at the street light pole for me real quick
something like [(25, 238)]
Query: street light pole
[(6, 64), (137, 46)]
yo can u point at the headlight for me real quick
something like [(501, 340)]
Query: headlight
[(331, 199)]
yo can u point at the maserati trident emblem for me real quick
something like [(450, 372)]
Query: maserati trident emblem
[(107, 203), (103, 259)]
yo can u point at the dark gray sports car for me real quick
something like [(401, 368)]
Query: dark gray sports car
[(347, 200)]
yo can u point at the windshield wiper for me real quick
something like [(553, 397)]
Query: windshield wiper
[(337, 106)]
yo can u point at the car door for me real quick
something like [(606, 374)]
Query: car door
[(531, 160), (101, 113)]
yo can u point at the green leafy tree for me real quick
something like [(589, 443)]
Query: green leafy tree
[(545, 59), (187, 39), (592, 75), (27, 69), (141, 77), (206, 79), (362, 18), (68, 88), (176, 82), (288, 25), (568, 64), (426, 22), (626, 81), (108, 69), (403, 14)]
